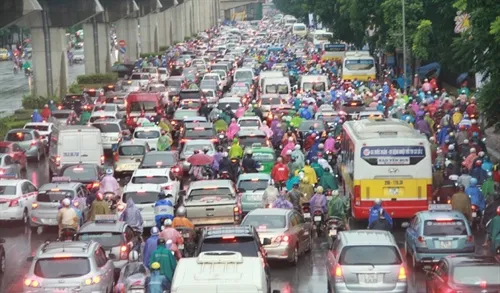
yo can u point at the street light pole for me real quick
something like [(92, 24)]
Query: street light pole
[(404, 45)]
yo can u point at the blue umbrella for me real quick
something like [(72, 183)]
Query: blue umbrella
[(462, 77)]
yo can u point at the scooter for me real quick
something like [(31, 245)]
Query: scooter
[(112, 201), (476, 217), (67, 234), (306, 211), (335, 225), (318, 221), (189, 235)]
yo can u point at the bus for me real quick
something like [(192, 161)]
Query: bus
[(334, 52), (289, 20), (299, 29), (320, 37), (358, 65), (386, 159)]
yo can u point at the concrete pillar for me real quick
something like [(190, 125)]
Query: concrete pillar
[(97, 62), (175, 24), (57, 73), (149, 33), (162, 32), (168, 26), (126, 29)]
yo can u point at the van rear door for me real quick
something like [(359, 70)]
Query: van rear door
[(80, 147)]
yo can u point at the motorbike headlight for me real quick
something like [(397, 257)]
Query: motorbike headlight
[(221, 136)]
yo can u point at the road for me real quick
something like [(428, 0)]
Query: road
[(15, 86), (308, 277)]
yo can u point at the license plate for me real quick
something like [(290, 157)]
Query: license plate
[(129, 167), (180, 246), (474, 214), (393, 191), (317, 218), (445, 244), (255, 197), (370, 278), (330, 157), (185, 235), (307, 215), (136, 291), (333, 232)]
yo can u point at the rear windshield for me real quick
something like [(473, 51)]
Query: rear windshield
[(243, 75), (107, 240), (190, 95), (219, 67), (19, 136), (4, 150), (55, 268), (210, 194), (154, 159), (80, 174), (249, 140), (316, 86), (7, 190), (37, 127), (142, 106), (474, 275), (150, 179), (105, 107), (244, 245), (191, 133), (250, 185), (444, 228), (174, 83), (264, 222), (263, 157), (277, 89), (249, 123), (107, 127), (141, 197), (233, 106), (60, 115), (139, 76), (53, 195), (271, 101), (147, 134), (318, 125), (370, 255), (132, 150)]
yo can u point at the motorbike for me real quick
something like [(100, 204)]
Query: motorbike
[(476, 217), (221, 136), (318, 221), (132, 280), (189, 235), (335, 225), (67, 234), (28, 72), (331, 158), (225, 175), (112, 200), (306, 211)]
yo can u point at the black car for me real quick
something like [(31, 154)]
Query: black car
[(123, 70), (76, 102), (3, 260), (199, 130), (464, 274), (88, 174), (305, 126)]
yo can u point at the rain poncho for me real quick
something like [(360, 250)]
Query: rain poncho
[(296, 121), (294, 166), (220, 125), (293, 180), (476, 196), (164, 143), (488, 188), (132, 216), (215, 163), (232, 130), (310, 174), (494, 232), (313, 152), (318, 169), (167, 261), (282, 203), (157, 283), (307, 190), (236, 150), (288, 147), (270, 195), (328, 181), (318, 202), (299, 156), (267, 130), (330, 144), (98, 207), (85, 117), (149, 246), (109, 184), (336, 207), (164, 208), (36, 117), (374, 215)]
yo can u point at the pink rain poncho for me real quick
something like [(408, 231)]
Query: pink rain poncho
[(288, 147), (240, 112), (109, 184), (267, 130), (232, 130), (330, 144)]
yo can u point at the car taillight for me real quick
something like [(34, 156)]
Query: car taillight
[(429, 193), (474, 208), (95, 184), (402, 274), (120, 207), (14, 203), (33, 143), (421, 240), (124, 252), (102, 159), (281, 239), (470, 238), (176, 169), (34, 205), (237, 213), (31, 283), (339, 275), (357, 195), (93, 280), (58, 161), (116, 156), (168, 187)]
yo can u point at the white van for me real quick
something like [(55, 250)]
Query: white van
[(220, 272), (276, 85), (74, 144), (313, 83), (299, 29), (265, 74)]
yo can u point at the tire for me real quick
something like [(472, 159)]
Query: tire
[(3, 263), (25, 220), (33, 229), (296, 254), (309, 248)]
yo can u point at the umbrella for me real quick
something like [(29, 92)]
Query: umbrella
[(462, 77), (200, 160)]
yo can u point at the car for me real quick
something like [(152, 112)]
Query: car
[(45, 208), (174, 86), (16, 197), (455, 273), (190, 146), (29, 140), (365, 260), (269, 100), (249, 123), (153, 72), (75, 102), (200, 130), (118, 99), (264, 155), (78, 56), (16, 152), (435, 233), (88, 174), (70, 265), (144, 197), (144, 79), (162, 177), (147, 133), (129, 156), (117, 237), (233, 102), (63, 116), (248, 138), (163, 72), (102, 115), (163, 159), (179, 116), (305, 126), (250, 188), (104, 109), (9, 168), (4, 54), (43, 128), (215, 76), (112, 131)]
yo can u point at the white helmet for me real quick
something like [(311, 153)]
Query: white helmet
[(167, 223), (321, 146), (377, 201), (66, 202), (335, 192), (133, 256), (297, 147)]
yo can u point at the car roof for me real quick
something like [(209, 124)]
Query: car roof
[(39, 123), (199, 142), (270, 211), (247, 176), (11, 182), (219, 231), (210, 183), (157, 153), (249, 118), (106, 120), (433, 215), (229, 100), (152, 172), (175, 78), (199, 124), (144, 187), (72, 248), (68, 185), (133, 142), (147, 128), (472, 260), (255, 132), (367, 237), (111, 227)]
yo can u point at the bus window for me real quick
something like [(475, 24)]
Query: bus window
[(359, 64)]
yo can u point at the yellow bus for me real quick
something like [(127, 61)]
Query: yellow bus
[(358, 65), (389, 160), (333, 51)]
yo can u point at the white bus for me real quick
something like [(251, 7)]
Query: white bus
[(289, 20), (386, 159), (320, 37), (299, 29), (358, 65)]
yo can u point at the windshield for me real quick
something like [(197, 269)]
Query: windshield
[(263, 157), (305, 125), (277, 89), (105, 108), (244, 245), (150, 179), (210, 194), (4, 150), (477, 274), (243, 75), (174, 83), (370, 255), (335, 48), (57, 268), (54, 195), (37, 127), (155, 159), (299, 28), (264, 222), (272, 101), (107, 128), (247, 141), (202, 133), (19, 136), (131, 150), (80, 174), (316, 86), (359, 64), (255, 184), (233, 106), (141, 197), (322, 37), (115, 100), (181, 115), (444, 228), (7, 190), (142, 134), (149, 70), (139, 77), (142, 106), (107, 240), (249, 123)]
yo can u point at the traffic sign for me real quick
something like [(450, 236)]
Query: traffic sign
[(123, 50), (122, 43)]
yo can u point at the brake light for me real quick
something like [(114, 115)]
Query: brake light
[(14, 203), (58, 161), (483, 284), (429, 193), (124, 252), (102, 159), (444, 220), (281, 239), (34, 205), (168, 187), (92, 281), (95, 184), (116, 156), (176, 169), (474, 208), (402, 274), (237, 213), (33, 143), (31, 283), (357, 195), (227, 237), (339, 275), (470, 238)]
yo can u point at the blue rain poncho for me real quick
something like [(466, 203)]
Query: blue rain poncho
[(132, 216)]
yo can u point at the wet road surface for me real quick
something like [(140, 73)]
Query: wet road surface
[(14, 86), (309, 276)]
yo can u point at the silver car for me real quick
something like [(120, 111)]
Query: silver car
[(69, 267), (9, 168), (29, 140), (192, 145), (289, 234), (129, 156), (366, 260)]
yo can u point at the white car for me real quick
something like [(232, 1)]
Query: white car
[(111, 132), (44, 128), (223, 76), (16, 198), (249, 123), (100, 115), (148, 134), (144, 197), (161, 176), (216, 77), (162, 71)]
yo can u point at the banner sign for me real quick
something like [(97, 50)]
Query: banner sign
[(393, 151)]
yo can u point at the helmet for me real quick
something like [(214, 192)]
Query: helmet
[(297, 147), (99, 196), (161, 195), (167, 222), (319, 189), (109, 171), (472, 150), (133, 256), (249, 152), (461, 187), (473, 181), (66, 202), (154, 231), (155, 266), (321, 146), (181, 211), (335, 192), (279, 159), (377, 201), (160, 241)]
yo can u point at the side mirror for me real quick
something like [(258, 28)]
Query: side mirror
[(266, 241)]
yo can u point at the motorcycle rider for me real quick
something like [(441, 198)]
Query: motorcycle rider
[(328, 181), (294, 196), (166, 259), (98, 207), (306, 189), (461, 202), (236, 150), (109, 184), (181, 220), (164, 141), (337, 206), (133, 267), (279, 173), (132, 216), (164, 208), (281, 202), (156, 282), (249, 164), (318, 201), (67, 217), (494, 231), (270, 195), (476, 195), (381, 223), (375, 213), (150, 245), (169, 233)]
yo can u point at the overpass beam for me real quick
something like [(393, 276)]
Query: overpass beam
[(149, 33), (97, 47), (127, 30)]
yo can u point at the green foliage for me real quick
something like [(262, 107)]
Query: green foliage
[(100, 78), (75, 88), (36, 102), (495, 28), (151, 54), (187, 38), (421, 39), (163, 48), (489, 102), (16, 120)]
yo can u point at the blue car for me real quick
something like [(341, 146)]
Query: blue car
[(436, 233)]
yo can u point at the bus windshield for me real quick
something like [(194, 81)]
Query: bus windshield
[(359, 64), (322, 37), (335, 48)]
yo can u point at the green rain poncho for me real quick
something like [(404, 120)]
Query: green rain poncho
[(164, 143), (236, 150), (488, 188), (336, 207), (494, 232), (85, 117), (296, 121), (318, 169), (328, 181), (220, 125), (225, 117), (167, 261), (337, 130)]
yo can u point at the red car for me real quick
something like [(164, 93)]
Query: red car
[(15, 151)]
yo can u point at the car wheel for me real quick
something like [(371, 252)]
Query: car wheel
[(38, 156), (25, 219), (3, 263), (295, 257)]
